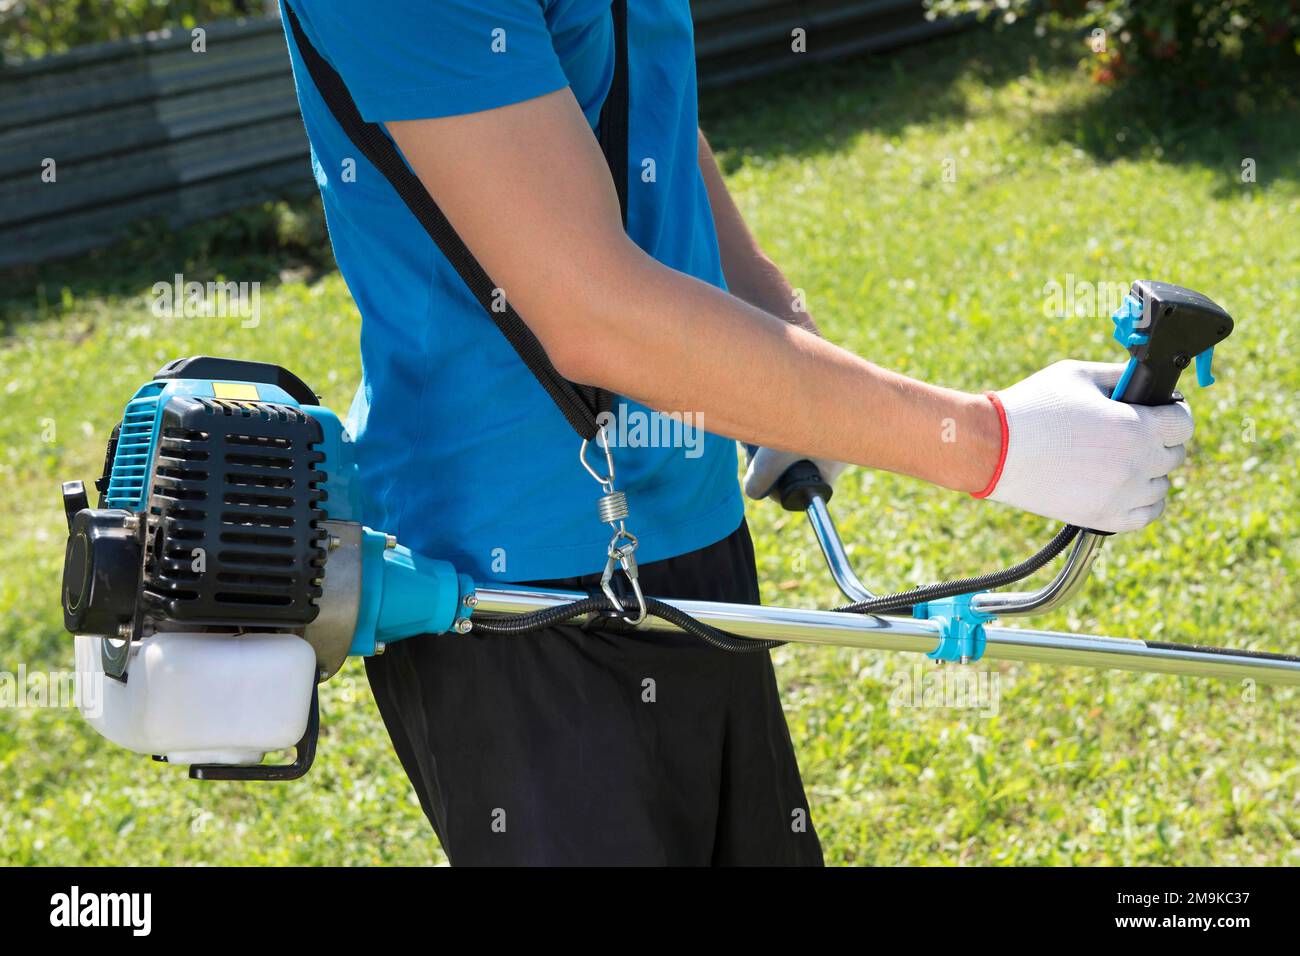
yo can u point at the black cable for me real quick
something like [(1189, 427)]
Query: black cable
[(551, 616), (903, 601), (536, 620), (705, 632)]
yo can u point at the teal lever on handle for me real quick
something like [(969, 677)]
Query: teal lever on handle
[(1204, 376)]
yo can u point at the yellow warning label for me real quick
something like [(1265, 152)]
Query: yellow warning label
[(241, 390)]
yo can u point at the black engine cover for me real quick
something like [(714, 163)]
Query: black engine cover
[(233, 514), (101, 571)]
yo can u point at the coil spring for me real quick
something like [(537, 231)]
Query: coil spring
[(612, 507)]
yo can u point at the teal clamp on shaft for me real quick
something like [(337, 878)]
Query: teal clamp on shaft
[(961, 627), (404, 594)]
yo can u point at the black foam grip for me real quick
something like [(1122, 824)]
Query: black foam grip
[(798, 483)]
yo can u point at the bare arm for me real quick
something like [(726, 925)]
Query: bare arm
[(750, 274), (537, 208)]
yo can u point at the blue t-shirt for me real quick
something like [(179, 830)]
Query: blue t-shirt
[(462, 453)]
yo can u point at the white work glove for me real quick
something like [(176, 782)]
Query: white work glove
[(1075, 455), (766, 466)]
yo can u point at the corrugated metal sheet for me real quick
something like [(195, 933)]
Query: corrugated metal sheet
[(741, 39), (150, 128)]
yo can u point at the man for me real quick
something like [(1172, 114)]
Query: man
[(592, 745)]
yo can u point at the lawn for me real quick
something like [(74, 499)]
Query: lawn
[(924, 203)]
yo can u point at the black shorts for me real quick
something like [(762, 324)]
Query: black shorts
[(573, 746)]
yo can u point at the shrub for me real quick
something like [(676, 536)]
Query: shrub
[(1232, 46), (32, 28)]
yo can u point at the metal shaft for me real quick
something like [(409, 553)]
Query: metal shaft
[(837, 558), (918, 636)]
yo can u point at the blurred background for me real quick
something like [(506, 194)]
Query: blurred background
[(958, 188)]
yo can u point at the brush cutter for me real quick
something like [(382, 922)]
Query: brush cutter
[(226, 570)]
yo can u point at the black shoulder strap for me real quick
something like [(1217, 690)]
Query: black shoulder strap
[(580, 404), (613, 113)]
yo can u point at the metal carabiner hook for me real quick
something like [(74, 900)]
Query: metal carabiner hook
[(628, 562), (624, 556), (606, 481)]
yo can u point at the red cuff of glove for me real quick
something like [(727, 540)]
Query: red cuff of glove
[(1002, 453)]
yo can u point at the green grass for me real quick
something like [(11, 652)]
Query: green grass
[(840, 173)]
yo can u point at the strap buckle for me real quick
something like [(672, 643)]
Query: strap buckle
[(612, 509)]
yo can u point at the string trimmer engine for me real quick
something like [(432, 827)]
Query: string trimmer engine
[(225, 571)]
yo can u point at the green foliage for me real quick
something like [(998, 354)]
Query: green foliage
[(31, 28), (278, 238), (268, 236), (1230, 46), (841, 172)]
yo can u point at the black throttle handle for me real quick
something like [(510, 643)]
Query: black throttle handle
[(1165, 328)]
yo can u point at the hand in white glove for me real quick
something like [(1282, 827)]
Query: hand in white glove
[(1073, 454), (766, 466)]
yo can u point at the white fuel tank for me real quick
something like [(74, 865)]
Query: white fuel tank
[(201, 698)]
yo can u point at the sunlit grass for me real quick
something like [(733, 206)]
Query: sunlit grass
[(842, 177)]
